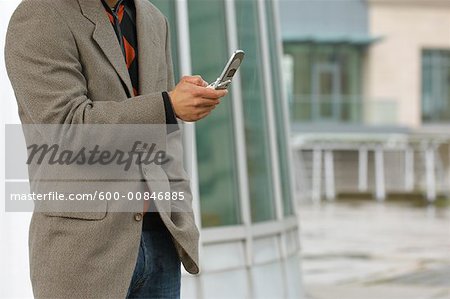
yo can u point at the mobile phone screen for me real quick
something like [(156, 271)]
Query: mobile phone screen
[(229, 71)]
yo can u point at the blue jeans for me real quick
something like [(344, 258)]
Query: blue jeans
[(157, 274)]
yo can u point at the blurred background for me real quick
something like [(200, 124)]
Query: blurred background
[(325, 173)]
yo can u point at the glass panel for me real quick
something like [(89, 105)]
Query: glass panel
[(292, 242), (225, 285), (266, 250), (256, 133), (293, 277), (215, 144), (189, 287), (436, 86), (324, 94), (300, 108), (268, 281), (167, 7), (232, 256), (279, 112)]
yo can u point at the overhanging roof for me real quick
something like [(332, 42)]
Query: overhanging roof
[(336, 39)]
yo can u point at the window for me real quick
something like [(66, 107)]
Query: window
[(255, 119), (167, 7), (436, 85), (327, 82), (215, 139)]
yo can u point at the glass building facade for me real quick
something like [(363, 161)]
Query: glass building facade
[(239, 162)]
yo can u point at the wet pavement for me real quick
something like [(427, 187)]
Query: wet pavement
[(362, 249)]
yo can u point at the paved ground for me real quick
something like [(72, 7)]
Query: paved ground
[(365, 250)]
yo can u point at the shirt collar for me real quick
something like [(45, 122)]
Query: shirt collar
[(115, 6)]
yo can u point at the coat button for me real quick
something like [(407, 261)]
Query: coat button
[(138, 216)]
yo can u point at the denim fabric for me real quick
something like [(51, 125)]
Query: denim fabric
[(157, 274)]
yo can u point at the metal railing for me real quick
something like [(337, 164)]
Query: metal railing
[(348, 109), (329, 164)]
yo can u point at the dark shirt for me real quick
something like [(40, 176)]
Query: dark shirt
[(123, 20)]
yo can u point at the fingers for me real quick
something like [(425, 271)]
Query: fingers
[(193, 99), (209, 93), (203, 115), (206, 112), (207, 103), (207, 106), (196, 80)]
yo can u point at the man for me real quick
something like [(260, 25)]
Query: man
[(106, 62)]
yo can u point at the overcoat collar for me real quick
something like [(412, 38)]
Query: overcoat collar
[(106, 39)]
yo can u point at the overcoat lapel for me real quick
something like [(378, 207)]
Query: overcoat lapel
[(106, 39)]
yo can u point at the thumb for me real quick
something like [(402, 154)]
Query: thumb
[(197, 80)]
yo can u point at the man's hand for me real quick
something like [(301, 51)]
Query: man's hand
[(192, 100)]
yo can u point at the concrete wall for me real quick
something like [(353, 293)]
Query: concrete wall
[(394, 63)]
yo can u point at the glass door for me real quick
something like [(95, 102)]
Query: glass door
[(326, 92)]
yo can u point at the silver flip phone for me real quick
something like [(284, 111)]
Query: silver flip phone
[(228, 72)]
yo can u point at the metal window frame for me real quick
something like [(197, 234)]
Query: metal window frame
[(189, 139), (284, 101), (272, 131), (270, 110), (240, 145)]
